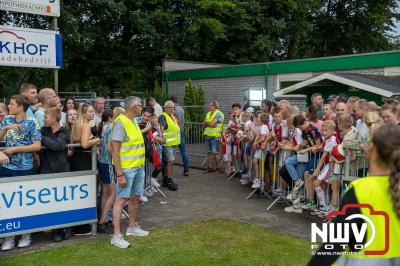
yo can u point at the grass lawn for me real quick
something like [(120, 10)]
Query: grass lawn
[(214, 242)]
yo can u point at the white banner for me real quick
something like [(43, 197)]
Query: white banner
[(30, 48), (39, 7), (31, 205)]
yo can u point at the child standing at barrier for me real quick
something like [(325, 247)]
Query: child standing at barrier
[(280, 134), (247, 138), (106, 171), (321, 176), (350, 137), (259, 145), (225, 137)]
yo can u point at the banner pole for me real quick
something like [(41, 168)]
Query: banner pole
[(55, 26)]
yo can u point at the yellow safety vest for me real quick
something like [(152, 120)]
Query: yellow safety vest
[(374, 190), (214, 131), (132, 152), (173, 132)]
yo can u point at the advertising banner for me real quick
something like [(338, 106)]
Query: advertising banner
[(30, 48), (35, 205), (38, 7)]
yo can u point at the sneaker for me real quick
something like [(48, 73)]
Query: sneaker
[(8, 243), (294, 209), (154, 182), (324, 212), (102, 228), (256, 183), (298, 184), (296, 201), (143, 198), (170, 184), (307, 205), (25, 241), (185, 173), (136, 231), (245, 181), (119, 241), (290, 196)]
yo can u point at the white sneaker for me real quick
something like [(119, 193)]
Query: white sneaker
[(154, 182), (119, 241), (290, 196), (256, 183), (298, 184), (296, 201), (8, 243), (143, 198), (244, 181), (25, 241), (293, 209), (136, 231)]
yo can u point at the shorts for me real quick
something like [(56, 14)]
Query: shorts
[(311, 164), (247, 148), (106, 172), (5, 172), (168, 153), (333, 177), (135, 182), (213, 144), (325, 173), (259, 153)]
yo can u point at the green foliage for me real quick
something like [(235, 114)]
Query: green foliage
[(114, 46), (157, 92), (194, 102)]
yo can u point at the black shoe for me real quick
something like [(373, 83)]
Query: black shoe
[(57, 235), (185, 173), (67, 233), (170, 184), (102, 228)]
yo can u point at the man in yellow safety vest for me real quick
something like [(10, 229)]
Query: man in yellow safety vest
[(212, 130), (171, 131), (128, 154)]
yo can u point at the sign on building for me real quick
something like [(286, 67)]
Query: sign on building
[(29, 204), (30, 48), (39, 7)]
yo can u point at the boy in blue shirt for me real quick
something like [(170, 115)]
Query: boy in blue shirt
[(22, 134)]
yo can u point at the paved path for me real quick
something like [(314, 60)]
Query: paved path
[(201, 197)]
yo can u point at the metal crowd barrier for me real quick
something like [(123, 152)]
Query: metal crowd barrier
[(56, 176)]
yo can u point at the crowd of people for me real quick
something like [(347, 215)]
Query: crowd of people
[(36, 128), (305, 148)]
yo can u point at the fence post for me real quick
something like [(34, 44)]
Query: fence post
[(94, 167), (347, 163)]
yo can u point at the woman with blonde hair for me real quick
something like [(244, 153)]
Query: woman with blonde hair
[(3, 111), (373, 121), (84, 133)]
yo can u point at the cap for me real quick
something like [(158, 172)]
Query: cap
[(332, 97), (250, 110)]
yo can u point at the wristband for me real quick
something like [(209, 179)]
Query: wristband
[(120, 175)]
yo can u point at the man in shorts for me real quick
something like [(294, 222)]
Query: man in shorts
[(212, 130), (128, 153)]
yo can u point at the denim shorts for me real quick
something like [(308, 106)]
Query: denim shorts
[(135, 182), (5, 172), (168, 152), (213, 144), (106, 172)]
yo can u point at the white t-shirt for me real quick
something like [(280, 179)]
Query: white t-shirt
[(363, 131), (296, 137), (158, 109), (247, 124), (97, 119), (285, 129), (329, 143)]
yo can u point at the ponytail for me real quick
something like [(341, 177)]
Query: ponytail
[(386, 138), (394, 182)]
